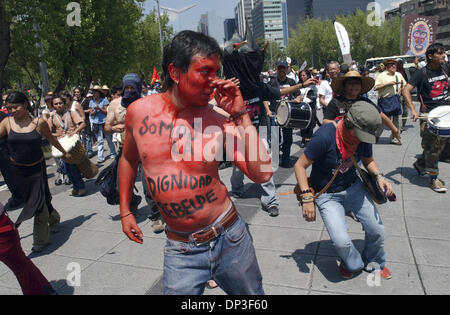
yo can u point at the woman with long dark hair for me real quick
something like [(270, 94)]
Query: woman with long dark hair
[(25, 134)]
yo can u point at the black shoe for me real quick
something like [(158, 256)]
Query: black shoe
[(58, 182), (273, 211), (444, 159)]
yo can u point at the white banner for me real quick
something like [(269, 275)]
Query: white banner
[(344, 41)]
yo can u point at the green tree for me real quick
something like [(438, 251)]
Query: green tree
[(114, 38), (315, 40)]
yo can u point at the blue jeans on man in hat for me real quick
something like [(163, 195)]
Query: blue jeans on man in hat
[(332, 207)]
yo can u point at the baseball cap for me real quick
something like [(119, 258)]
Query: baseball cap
[(282, 63), (366, 120)]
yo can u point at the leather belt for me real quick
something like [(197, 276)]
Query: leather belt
[(204, 236)]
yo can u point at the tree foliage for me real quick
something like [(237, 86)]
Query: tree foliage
[(114, 38), (315, 40)]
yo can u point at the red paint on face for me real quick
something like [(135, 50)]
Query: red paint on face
[(195, 85)]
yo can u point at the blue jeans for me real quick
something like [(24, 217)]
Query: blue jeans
[(100, 134), (269, 194), (229, 259), (74, 175), (332, 208)]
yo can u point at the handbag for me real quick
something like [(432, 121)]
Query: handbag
[(391, 106), (371, 184)]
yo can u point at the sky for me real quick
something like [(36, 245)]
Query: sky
[(219, 10)]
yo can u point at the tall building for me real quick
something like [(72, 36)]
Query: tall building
[(268, 21), (243, 12), (299, 10), (229, 27), (203, 24), (440, 8), (285, 22)]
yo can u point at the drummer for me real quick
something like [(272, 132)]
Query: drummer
[(432, 84), (68, 123), (284, 82)]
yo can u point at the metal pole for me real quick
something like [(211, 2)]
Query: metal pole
[(160, 31), (42, 64), (271, 60)]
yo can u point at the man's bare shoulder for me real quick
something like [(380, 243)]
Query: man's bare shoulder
[(151, 105), (115, 103)]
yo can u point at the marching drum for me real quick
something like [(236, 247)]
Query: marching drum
[(294, 115), (76, 149), (439, 121)]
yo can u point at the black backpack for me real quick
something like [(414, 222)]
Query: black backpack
[(107, 182)]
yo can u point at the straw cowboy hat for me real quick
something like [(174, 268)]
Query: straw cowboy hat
[(337, 85), (389, 61), (105, 88)]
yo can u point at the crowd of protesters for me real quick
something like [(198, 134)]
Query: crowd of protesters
[(357, 104)]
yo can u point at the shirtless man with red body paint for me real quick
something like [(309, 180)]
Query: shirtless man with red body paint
[(177, 135)]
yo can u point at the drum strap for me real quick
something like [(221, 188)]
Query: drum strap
[(65, 126)]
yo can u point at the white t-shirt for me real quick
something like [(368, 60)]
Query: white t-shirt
[(325, 90), (293, 76)]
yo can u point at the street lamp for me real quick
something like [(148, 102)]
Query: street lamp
[(159, 19), (160, 31)]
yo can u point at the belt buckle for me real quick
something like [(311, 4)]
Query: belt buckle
[(216, 234), (193, 236)]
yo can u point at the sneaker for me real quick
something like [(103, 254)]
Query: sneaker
[(438, 186), (273, 211), (58, 182), (396, 141), (157, 226), (90, 155), (385, 274), (420, 171), (344, 272), (101, 161)]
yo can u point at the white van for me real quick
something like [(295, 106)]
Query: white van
[(408, 61)]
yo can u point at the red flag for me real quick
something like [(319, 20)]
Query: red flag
[(155, 76)]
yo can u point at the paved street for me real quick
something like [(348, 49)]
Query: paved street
[(295, 257)]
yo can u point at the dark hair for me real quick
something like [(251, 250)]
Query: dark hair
[(19, 98), (182, 48), (116, 88), (305, 71), (61, 98), (79, 89), (67, 94), (433, 48)]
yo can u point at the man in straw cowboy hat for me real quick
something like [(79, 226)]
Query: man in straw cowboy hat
[(389, 85), (350, 87)]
